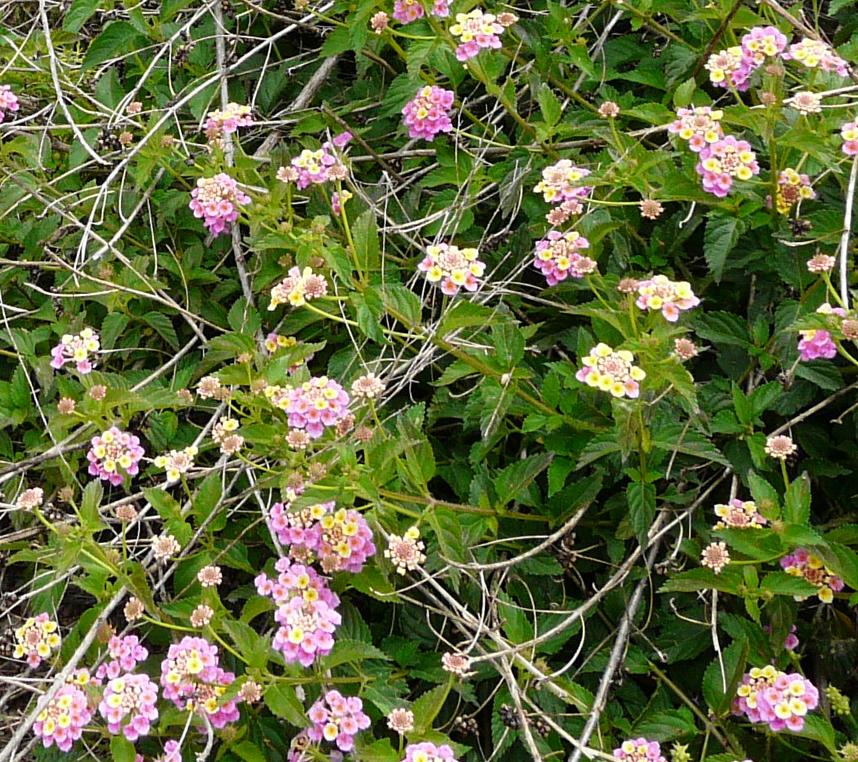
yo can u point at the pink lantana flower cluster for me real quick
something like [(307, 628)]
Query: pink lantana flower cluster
[(306, 611), (670, 297), (815, 54), (226, 122), (792, 188), (452, 267), (8, 102), (739, 514), (113, 454), (476, 31), (558, 256), (193, 680), (428, 752), (216, 200), (337, 719), (781, 700), (698, 125), (125, 654), (849, 134), (312, 406), (611, 371), (428, 113), (763, 42), (730, 68), (406, 11), (62, 721), (560, 183), (36, 639), (723, 161), (128, 705), (298, 287), (804, 564), (340, 539), (639, 750), (76, 348), (816, 344), (319, 166), (176, 463)]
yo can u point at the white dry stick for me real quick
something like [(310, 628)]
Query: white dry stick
[(844, 239)]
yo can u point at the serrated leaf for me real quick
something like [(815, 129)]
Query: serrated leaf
[(248, 751), (797, 501), (719, 685), (824, 374), (121, 749), (667, 725), (723, 328), (682, 94), (641, 500), (348, 651), (117, 37), (819, 729), (111, 329), (283, 702), (163, 326), (367, 246), (781, 583), (78, 14), (765, 496), (402, 303), (549, 106), (694, 580), (207, 496), (719, 239), (428, 706), (515, 478)]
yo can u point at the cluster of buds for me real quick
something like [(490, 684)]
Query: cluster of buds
[(723, 161), (815, 54), (367, 387), (739, 514), (128, 705), (62, 721), (337, 719), (428, 113), (700, 126), (781, 700), (452, 267), (558, 257), (802, 563), (406, 552), (406, 11), (226, 122), (611, 371), (177, 462), (78, 349), (8, 101), (639, 750), (113, 454), (312, 406), (428, 752), (297, 288), (670, 297), (36, 639), (216, 201), (193, 680), (319, 166), (476, 31), (225, 434), (792, 188)]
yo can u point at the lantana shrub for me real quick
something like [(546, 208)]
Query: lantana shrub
[(412, 381)]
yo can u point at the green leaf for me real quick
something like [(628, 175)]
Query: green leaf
[(641, 499), (117, 37), (367, 246), (742, 405), (824, 374), (549, 105), (163, 326), (121, 749), (283, 702), (723, 328), (667, 725), (351, 651), (78, 14), (797, 501), (402, 303), (719, 239), (171, 514), (378, 751), (515, 478), (765, 496), (248, 751), (682, 94), (598, 447), (719, 685), (90, 503), (428, 706), (111, 329), (819, 729), (207, 497), (781, 583), (694, 580)]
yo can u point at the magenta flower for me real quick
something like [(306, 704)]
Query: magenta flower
[(313, 406), (699, 125), (125, 654), (8, 101), (192, 679), (724, 160), (730, 68), (226, 122), (78, 349), (664, 295), (452, 267), (802, 563), (849, 133), (557, 256), (128, 705), (428, 752), (560, 180), (295, 579), (114, 454), (36, 639), (773, 697), (337, 719), (428, 113), (816, 344), (306, 630), (763, 42), (611, 370), (476, 31), (216, 200), (639, 750), (62, 721), (739, 514), (816, 54)]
